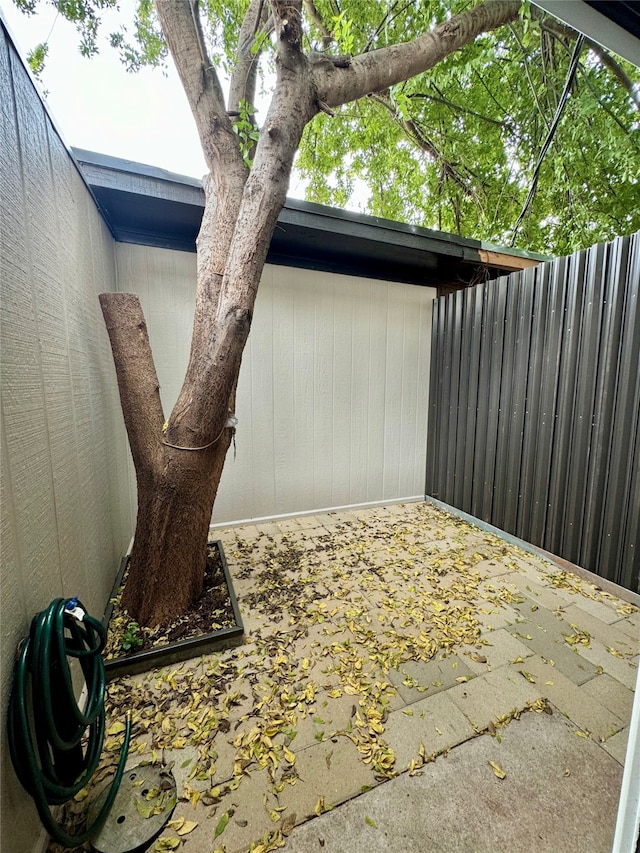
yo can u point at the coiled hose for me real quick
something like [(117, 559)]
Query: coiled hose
[(45, 725)]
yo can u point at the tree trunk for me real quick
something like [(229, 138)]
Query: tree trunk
[(179, 464), (168, 558), (177, 485)]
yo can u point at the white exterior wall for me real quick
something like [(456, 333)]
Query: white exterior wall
[(333, 392), (65, 503)]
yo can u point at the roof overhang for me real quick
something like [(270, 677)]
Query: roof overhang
[(150, 206)]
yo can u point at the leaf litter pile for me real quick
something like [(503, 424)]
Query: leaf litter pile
[(331, 614)]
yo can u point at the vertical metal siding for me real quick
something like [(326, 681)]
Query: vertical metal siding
[(473, 309), (581, 435), (535, 406), (546, 416), (482, 414), (493, 391), (531, 447), (618, 545)]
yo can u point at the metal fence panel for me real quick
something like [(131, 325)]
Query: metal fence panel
[(531, 446), (520, 386), (473, 307), (605, 395), (493, 390), (535, 406), (582, 432), (482, 413), (616, 563), (554, 324)]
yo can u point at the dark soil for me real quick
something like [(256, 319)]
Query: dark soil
[(212, 606), (211, 611)]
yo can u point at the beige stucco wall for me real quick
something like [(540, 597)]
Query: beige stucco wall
[(333, 392), (65, 503)]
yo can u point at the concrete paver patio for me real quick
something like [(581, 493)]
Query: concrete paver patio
[(390, 655)]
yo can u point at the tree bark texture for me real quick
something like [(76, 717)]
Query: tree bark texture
[(379, 69), (168, 557), (179, 464)]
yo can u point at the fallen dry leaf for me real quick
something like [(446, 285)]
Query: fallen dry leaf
[(288, 824), (497, 770)]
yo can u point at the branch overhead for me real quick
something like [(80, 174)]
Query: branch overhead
[(379, 69), (181, 27)]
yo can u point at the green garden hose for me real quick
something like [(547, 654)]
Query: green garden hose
[(46, 727)]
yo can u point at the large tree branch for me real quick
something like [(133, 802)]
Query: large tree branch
[(245, 72), (380, 69), (292, 106), (181, 27), (223, 186), (137, 379)]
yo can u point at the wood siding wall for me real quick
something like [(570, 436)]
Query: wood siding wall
[(65, 503), (333, 393), (535, 406)]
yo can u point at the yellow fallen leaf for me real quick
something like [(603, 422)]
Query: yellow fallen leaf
[(319, 807), (163, 844), (187, 827), (116, 728), (581, 734), (527, 675), (614, 652), (497, 770)]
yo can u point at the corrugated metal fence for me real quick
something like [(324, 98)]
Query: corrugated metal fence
[(534, 421)]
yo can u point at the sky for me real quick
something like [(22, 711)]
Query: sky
[(98, 106)]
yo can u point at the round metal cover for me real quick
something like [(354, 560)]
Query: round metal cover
[(143, 805)]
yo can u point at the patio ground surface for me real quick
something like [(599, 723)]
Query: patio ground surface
[(408, 682)]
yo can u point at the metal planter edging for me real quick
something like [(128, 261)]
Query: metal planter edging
[(171, 653)]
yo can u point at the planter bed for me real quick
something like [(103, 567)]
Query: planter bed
[(163, 652)]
